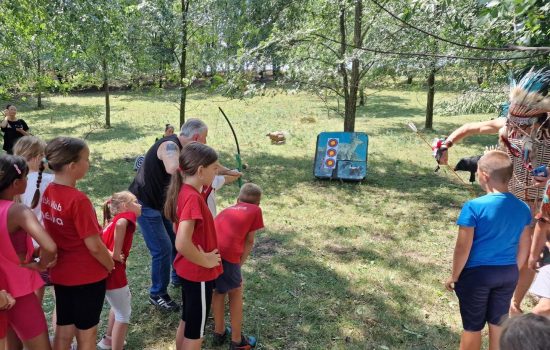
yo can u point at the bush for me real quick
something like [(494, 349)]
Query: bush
[(473, 102)]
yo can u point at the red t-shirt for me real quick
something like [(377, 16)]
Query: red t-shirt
[(3, 313), (192, 206), (117, 278), (232, 226), (69, 217)]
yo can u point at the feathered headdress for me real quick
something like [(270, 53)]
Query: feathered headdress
[(529, 101)]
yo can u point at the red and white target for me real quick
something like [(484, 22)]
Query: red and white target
[(329, 161)]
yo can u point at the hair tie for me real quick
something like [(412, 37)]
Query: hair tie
[(17, 169), (180, 170)]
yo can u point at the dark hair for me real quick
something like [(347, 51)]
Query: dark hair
[(11, 169), (528, 331), (169, 126), (62, 151), (192, 156), (8, 106)]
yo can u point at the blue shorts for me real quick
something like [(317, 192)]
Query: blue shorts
[(231, 278), (484, 294)]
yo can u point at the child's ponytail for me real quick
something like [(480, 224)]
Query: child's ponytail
[(107, 216), (172, 193), (36, 196)]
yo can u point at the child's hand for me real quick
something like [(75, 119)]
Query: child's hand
[(10, 301), (211, 259), (34, 266), (450, 284), (532, 263), (120, 257)]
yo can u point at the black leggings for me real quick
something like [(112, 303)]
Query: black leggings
[(196, 299)]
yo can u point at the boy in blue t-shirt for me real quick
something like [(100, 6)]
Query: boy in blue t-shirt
[(493, 242)]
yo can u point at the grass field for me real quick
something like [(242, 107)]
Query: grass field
[(340, 265)]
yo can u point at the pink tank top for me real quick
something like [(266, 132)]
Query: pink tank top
[(20, 280)]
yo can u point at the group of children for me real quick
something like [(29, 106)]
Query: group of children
[(493, 243), (51, 235)]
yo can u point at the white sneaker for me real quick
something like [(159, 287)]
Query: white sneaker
[(103, 343)]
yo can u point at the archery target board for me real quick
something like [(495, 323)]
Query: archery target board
[(341, 155)]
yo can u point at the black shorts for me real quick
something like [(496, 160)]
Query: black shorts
[(196, 298), (231, 278), (79, 305), (484, 294)]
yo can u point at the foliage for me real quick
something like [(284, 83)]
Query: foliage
[(474, 101)]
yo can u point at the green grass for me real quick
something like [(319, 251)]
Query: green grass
[(340, 265)]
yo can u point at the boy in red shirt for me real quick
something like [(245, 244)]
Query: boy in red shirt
[(235, 229)]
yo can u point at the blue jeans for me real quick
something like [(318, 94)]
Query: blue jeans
[(159, 237)]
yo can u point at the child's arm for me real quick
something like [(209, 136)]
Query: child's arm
[(185, 246), (539, 240), (524, 244), (248, 244), (463, 246), (99, 251), (120, 233), (26, 219)]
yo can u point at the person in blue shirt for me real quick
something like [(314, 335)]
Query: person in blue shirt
[(492, 244)]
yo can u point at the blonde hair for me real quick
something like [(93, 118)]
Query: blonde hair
[(250, 193), (497, 165), (113, 205), (30, 147)]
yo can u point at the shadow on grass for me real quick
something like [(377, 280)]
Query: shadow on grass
[(295, 291)]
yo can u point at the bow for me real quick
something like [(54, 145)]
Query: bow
[(238, 155)]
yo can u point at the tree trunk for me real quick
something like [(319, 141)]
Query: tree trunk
[(409, 79), (351, 98), (39, 84), (430, 103), (106, 89), (361, 96), (183, 68)]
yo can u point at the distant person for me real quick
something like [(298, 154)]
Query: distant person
[(197, 263), (12, 128), (168, 130), (526, 332), (492, 244), (236, 227)]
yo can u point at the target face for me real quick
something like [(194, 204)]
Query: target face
[(331, 152), (329, 163), (332, 142)]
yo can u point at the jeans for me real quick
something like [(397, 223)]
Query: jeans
[(159, 237)]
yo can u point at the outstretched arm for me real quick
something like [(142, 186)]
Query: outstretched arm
[(469, 129)]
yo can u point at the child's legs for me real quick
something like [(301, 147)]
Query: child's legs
[(80, 308), (494, 336), (40, 342), (504, 280), (179, 335), (110, 324), (470, 340), (198, 299), (12, 341), (40, 293), (86, 338), (26, 319), (3, 343), (218, 309), (63, 337), (541, 288), (236, 313), (120, 300)]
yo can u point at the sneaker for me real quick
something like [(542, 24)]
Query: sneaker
[(247, 343), (164, 302), (105, 343), (220, 339)]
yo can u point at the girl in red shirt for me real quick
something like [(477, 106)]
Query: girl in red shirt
[(6, 302), (83, 261), (18, 224), (118, 236), (197, 261)]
